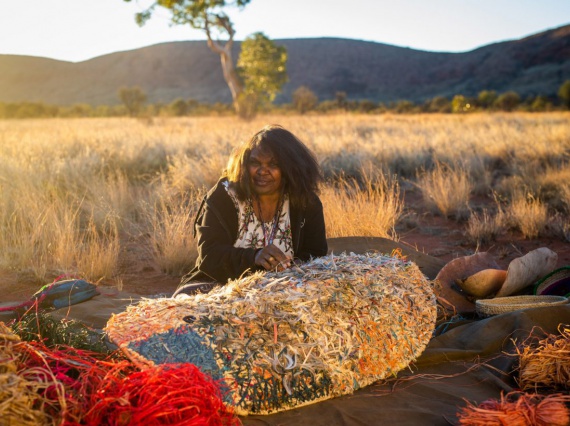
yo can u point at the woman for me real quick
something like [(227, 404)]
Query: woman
[(263, 213)]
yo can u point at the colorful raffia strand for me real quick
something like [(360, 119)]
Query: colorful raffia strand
[(285, 339), (546, 364), (518, 409)]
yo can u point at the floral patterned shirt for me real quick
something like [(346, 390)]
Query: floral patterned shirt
[(251, 230)]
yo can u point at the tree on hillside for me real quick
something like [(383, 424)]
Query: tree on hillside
[(439, 104), (262, 69), (460, 103), (178, 107), (366, 106), (133, 98), (564, 93), (304, 99), (508, 101), (80, 110), (208, 16), (404, 106), (340, 99), (486, 98), (540, 103)]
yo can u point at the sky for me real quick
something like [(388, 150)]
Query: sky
[(77, 30)]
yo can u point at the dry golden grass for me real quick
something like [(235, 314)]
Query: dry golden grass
[(565, 195), (484, 227), (529, 215), (73, 192), (371, 209), (171, 237), (446, 189)]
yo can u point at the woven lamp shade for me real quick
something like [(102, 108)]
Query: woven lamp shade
[(280, 340)]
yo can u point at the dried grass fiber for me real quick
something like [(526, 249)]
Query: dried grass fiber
[(546, 364), (19, 389), (280, 340), (62, 385)]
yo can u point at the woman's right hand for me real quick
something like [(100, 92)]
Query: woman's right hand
[(272, 258)]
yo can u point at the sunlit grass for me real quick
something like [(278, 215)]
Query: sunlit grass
[(371, 209), (446, 190), (75, 192), (529, 215), (485, 227), (172, 239)]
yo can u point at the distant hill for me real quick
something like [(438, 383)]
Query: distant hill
[(534, 65)]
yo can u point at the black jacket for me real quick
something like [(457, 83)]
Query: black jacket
[(216, 229)]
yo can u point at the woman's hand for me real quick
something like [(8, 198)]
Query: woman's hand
[(272, 258)]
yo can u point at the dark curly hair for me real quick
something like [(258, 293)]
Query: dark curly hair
[(300, 170)]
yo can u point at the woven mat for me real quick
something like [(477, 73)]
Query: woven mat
[(281, 340)]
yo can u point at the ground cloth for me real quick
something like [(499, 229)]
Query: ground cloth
[(422, 400), (428, 400), (463, 350)]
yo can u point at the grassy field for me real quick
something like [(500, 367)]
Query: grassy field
[(75, 192)]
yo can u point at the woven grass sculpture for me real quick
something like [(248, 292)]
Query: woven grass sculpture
[(279, 340)]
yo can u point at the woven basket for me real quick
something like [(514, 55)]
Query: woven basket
[(557, 283), (502, 305)]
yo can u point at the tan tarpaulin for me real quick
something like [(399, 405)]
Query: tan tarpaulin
[(417, 401), (455, 358)]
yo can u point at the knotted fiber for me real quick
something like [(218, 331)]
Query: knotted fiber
[(517, 409), (280, 340), (546, 365)]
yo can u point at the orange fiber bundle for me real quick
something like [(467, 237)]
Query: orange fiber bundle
[(547, 364), (518, 409)]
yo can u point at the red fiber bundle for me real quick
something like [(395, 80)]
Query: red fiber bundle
[(64, 368), (86, 388), (518, 409), (169, 394)]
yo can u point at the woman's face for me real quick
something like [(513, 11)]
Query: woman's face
[(264, 172)]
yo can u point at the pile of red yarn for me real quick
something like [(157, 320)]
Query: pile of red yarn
[(78, 387)]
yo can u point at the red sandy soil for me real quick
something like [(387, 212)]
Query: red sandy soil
[(445, 238), (426, 232)]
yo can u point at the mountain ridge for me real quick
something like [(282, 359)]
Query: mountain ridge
[(534, 65)]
